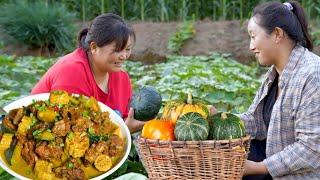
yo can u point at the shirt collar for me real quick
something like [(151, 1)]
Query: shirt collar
[(294, 57), (271, 74)]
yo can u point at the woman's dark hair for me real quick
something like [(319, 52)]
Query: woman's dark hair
[(105, 29), (292, 20)]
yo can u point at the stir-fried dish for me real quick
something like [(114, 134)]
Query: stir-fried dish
[(64, 137)]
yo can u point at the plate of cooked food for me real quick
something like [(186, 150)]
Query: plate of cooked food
[(59, 135)]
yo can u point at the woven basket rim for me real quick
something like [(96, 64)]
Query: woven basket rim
[(157, 141), (209, 159)]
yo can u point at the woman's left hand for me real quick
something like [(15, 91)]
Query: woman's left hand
[(254, 168), (212, 110), (133, 124)]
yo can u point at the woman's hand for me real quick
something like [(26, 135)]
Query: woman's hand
[(133, 125), (212, 110), (254, 168)]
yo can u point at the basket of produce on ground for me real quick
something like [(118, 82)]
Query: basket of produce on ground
[(188, 143)]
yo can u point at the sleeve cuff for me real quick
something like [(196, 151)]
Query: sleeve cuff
[(276, 166)]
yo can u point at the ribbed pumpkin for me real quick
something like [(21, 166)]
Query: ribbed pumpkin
[(146, 103), (225, 126), (176, 108), (191, 127)]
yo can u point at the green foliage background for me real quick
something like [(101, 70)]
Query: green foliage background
[(19, 74), (39, 25), (216, 78), (169, 10)]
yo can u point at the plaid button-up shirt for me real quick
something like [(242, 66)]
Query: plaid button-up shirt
[(293, 135)]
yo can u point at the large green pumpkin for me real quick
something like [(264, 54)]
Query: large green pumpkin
[(225, 126), (191, 127), (146, 103)]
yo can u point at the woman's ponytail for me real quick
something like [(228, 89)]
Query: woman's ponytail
[(82, 38), (299, 12)]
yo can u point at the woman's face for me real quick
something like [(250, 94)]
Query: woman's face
[(105, 59), (261, 44)]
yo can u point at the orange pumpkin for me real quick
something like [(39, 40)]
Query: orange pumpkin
[(158, 129), (176, 108)]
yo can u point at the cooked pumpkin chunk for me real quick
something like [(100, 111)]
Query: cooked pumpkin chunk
[(5, 141), (43, 170), (47, 115), (59, 97), (25, 124), (92, 104), (77, 143)]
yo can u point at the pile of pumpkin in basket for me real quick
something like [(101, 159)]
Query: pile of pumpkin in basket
[(189, 143)]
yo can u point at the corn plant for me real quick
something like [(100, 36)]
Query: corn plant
[(168, 10)]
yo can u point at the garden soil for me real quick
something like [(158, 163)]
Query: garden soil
[(152, 38)]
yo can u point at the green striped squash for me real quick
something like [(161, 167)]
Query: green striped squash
[(191, 127), (225, 126), (146, 103)]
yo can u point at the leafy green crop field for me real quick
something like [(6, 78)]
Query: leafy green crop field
[(19, 75), (223, 82), (217, 79)]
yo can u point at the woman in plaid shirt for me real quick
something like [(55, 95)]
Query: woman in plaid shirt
[(286, 109)]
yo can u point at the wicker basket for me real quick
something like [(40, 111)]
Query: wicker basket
[(209, 159)]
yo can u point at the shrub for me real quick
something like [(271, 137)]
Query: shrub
[(39, 25), (176, 41)]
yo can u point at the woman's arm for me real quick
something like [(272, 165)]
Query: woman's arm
[(254, 168), (304, 153)]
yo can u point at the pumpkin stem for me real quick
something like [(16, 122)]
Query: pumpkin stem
[(224, 115), (189, 99)]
